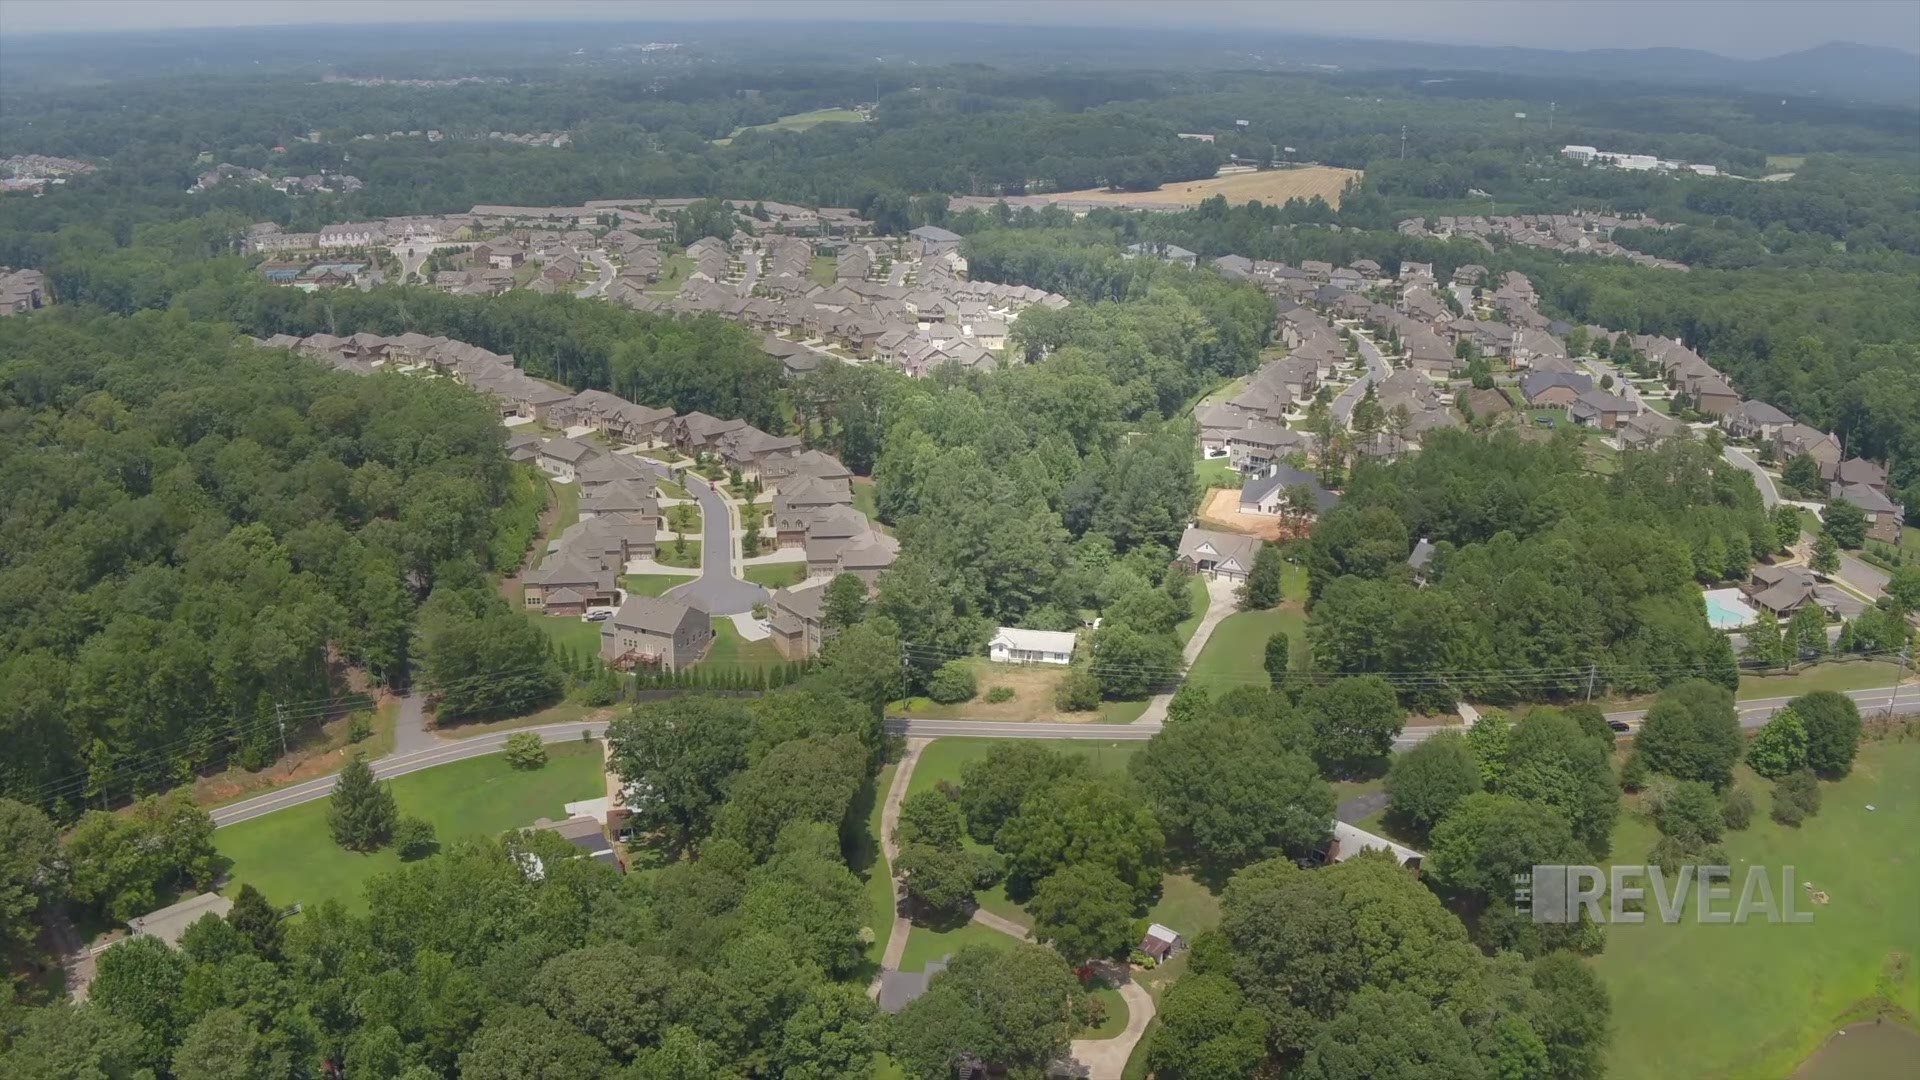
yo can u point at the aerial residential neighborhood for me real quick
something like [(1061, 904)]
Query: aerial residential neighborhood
[(597, 541)]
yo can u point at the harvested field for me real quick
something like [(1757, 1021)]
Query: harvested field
[(1267, 185), (1221, 510)]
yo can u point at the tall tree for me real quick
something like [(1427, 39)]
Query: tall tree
[(1832, 721), (1429, 780), (1009, 1008), (1552, 760), (1084, 912), (676, 759), (1355, 721), (361, 812), (33, 876), (1262, 587), (1692, 733), (1207, 1029), (1230, 790)]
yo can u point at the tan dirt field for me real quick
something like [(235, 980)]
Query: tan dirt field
[(1270, 186), (1221, 510)]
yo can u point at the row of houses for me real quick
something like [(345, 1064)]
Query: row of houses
[(1575, 233)]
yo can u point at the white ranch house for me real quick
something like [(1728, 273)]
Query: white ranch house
[(1014, 646)]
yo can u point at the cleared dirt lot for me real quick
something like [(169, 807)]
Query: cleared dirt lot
[(1267, 185), (1221, 510)]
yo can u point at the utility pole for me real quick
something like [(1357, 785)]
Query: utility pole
[(1590, 674), (1900, 672), (280, 714)]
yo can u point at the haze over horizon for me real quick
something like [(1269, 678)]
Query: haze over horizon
[(1762, 30)]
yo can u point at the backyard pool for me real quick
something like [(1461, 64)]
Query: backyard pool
[(1727, 609)]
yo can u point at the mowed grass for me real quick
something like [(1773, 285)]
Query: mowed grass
[(291, 857), (798, 122), (866, 499), (1234, 656), (777, 575), (1843, 675), (653, 584), (925, 945), (1115, 1020), (1776, 992), (1197, 599), (569, 633), (730, 650)]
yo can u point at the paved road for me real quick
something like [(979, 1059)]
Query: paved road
[(395, 764), (1863, 576), (717, 591), (1769, 494), (1753, 713), (599, 287), (1378, 370)]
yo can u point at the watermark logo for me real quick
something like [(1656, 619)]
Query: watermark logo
[(1627, 893)]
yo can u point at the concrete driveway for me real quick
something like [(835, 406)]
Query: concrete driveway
[(718, 590)]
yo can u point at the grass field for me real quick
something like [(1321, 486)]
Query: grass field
[(730, 650), (1215, 473), (925, 944), (1235, 653), (567, 502), (823, 270), (1843, 675), (777, 575), (1777, 991), (652, 584), (290, 856), (1270, 186), (1197, 597), (797, 122)]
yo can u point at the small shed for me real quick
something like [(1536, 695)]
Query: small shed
[(1161, 942)]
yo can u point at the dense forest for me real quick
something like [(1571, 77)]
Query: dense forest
[(198, 531)]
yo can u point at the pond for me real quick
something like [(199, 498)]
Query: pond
[(1869, 1050)]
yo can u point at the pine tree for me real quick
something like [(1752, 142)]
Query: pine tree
[(256, 920), (362, 813)]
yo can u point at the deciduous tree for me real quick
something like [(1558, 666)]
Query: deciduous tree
[(1083, 911), (1429, 780), (1692, 733)]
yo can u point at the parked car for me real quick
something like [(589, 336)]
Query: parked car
[(597, 616), (1619, 725)]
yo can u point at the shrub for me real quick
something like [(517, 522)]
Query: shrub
[(952, 683), (1737, 809), (525, 751), (1078, 692), (1796, 797), (1691, 813), (359, 727), (999, 694), (1634, 774), (414, 838)]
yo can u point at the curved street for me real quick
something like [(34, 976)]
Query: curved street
[(719, 590), (1378, 370)]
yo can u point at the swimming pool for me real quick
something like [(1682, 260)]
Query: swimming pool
[(1727, 609)]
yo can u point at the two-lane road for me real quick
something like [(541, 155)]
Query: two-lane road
[(1769, 494)]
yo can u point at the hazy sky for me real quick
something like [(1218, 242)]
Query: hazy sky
[(1744, 28)]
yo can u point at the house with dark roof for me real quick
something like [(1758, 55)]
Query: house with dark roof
[(1755, 420), (1600, 409), (1271, 491), (794, 617), (1553, 389)]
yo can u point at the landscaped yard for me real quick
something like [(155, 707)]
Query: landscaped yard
[(653, 584), (1115, 1021), (1777, 991), (291, 857), (567, 500), (675, 553), (1197, 597), (777, 575), (823, 269), (671, 490), (1214, 472), (925, 944), (1234, 656), (673, 270), (730, 650)]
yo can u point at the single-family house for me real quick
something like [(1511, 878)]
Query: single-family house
[(1012, 645), (931, 240), (795, 620), (562, 458), (1273, 491), (1884, 519), (1554, 389), (1647, 428), (1600, 409), (565, 586), (655, 631), (1796, 439), (1350, 840), (1755, 420), (1217, 554)]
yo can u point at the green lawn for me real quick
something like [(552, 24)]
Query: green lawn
[(823, 270), (1776, 992), (869, 858), (1122, 712), (1115, 1021), (1197, 597), (674, 553), (943, 758), (290, 856), (798, 122), (1185, 905), (569, 632), (924, 944), (1841, 675), (1214, 473), (1234, 654), (653, 584), (777, 575), (730, 650), (671, 490), (673, 270), (866, 499), (567, 498)]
